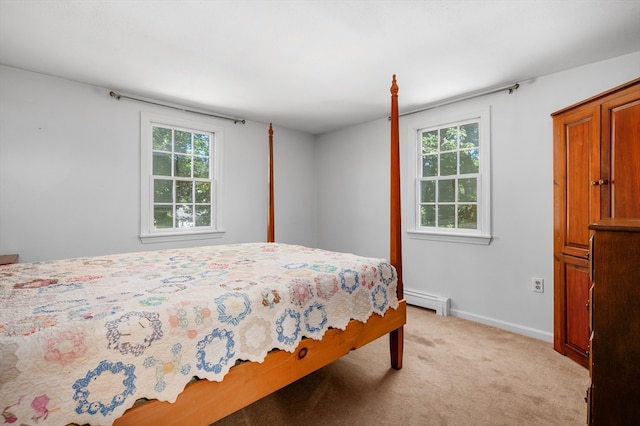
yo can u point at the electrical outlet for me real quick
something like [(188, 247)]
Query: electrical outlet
[(537, 285)]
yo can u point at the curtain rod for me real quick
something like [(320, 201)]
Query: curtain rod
[(118, 96), (511, 88)]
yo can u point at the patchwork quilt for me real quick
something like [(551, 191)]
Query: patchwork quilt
[(82, 339)]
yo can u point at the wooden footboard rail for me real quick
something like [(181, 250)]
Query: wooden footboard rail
[(204, 402)]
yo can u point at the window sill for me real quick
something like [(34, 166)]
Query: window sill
[(451, 238), (186, 236)]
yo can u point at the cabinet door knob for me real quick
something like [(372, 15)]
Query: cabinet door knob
[(599, 182)]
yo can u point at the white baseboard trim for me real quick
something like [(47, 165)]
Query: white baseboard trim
[(442, 307), (437, 303), (514, 328)]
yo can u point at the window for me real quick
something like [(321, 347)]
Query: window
[(178, 179), (452, 183)]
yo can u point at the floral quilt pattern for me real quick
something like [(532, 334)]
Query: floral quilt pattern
[(82, 339)]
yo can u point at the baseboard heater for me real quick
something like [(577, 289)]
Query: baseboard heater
[(437, 303)]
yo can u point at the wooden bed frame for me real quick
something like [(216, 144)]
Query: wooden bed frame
[(204, 402)]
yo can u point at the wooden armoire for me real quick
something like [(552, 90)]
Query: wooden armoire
[(596, 175)]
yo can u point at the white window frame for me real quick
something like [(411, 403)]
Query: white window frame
[(481, 235), (148, 233)]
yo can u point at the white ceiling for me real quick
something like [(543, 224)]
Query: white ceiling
[(310, 65)]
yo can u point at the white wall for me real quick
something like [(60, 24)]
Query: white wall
[(70, 173), (353, 189), (489, 284)]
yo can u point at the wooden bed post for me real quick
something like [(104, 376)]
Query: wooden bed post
[(271, 231), (396, 337)]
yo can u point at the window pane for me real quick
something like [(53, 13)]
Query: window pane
[(163, 216), (428, 215), (162, 191), (469, 135), (448, 164), (450, 183), (201, 167), (181, 185), (468, 189), (447, 191), (429, 142), (469, 161), (446, 216), (184, 191), (182, 165), (428, 191), (161, 139), (203, 216), (161, 164), (449, 139), (203, 192), (184, 216), (430, 165), (468, 216), (183, 142), (201, 144)]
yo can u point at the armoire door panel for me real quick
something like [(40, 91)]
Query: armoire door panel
[(571, 325), (577, 289), (581, 136), (625, 160), (578, 188)]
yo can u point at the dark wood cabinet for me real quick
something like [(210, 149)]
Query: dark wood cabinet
[(614, 356), (596, 175), (7, 259)]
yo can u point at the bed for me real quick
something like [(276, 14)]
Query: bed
[(189, 336)]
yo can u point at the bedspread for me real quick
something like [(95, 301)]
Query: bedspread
[(82, 339)]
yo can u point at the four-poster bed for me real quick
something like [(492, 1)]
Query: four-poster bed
[(335, 303)]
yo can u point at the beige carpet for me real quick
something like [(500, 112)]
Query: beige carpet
[(455, 372)]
